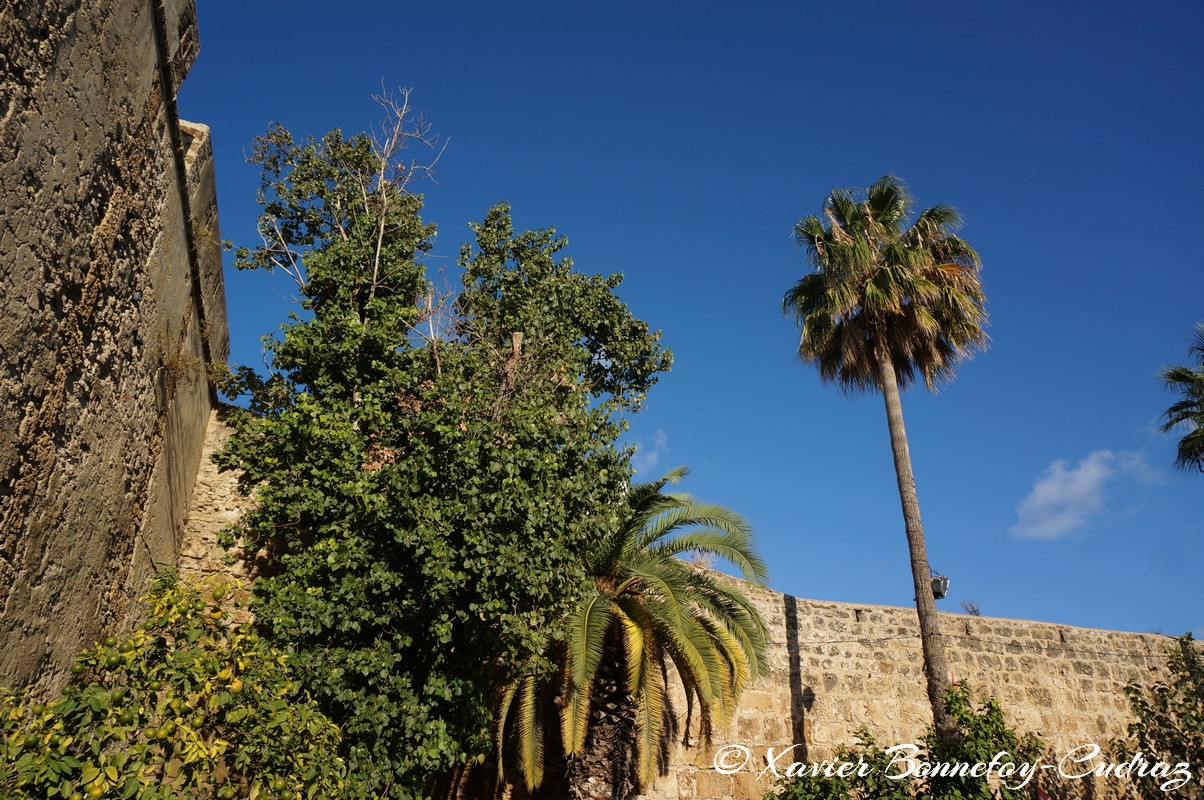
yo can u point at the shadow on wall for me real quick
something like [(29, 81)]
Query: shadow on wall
[(801, 697)]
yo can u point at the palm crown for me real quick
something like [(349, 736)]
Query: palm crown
[(1189, 412), (883, 289), (646, 608)]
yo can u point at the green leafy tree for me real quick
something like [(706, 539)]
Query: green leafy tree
[(643, 608), (887, 302), (189, 705), (1169, 726), (428, 467), (1188, 412)]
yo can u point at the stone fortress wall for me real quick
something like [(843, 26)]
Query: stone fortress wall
[(835, 667), (111, 311)]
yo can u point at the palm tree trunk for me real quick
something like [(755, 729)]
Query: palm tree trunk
[(936, 669), (603, 771)]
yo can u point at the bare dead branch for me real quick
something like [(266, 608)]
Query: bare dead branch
[(401, 129), (280, 245)]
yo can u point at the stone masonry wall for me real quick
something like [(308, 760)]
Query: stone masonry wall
[(837, 666), (216, 504), (111, 310)]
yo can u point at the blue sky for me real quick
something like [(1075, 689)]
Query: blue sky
[(678, 143)]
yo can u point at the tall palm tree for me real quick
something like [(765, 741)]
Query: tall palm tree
[(1189, 411), (888, 302), (644, 610)]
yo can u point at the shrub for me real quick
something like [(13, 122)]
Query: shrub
[(1169, 726), (189, 705)]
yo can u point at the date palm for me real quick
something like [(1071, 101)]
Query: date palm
[(889, 301), (644, 610), (1189, 412)]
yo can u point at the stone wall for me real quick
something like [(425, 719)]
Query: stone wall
[(111, 310), (216, 504), (837, 666)]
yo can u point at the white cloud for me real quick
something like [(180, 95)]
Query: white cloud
[(646, 459), (1135, 464), (1067, 498)]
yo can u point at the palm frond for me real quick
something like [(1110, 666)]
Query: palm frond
[(809, 233), (737, 613), (501, 728), (888, 202), (574, 717), (1189, 411), (842, 213), (587, 634), (633, 636), (692, 515), (693, 651), (1189, 454), (730, 546), (649, 692), (586, 642), (642, 493), (664, 580), (530, 734), (1196, 348), (650, 727)]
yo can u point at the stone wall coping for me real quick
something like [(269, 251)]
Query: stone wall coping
[(977, 620)]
